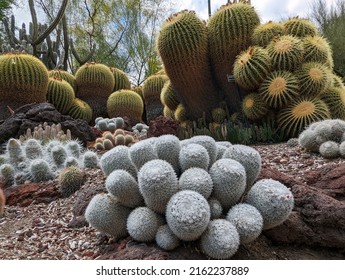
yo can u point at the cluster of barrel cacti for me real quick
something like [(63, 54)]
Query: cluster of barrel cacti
[(326, 137), (36, 161), (169, 191), (110, 139)]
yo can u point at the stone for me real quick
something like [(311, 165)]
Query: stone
[(161, 126)]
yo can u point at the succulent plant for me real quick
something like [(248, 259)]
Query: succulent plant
[(220, 151), (334, 97), (143, 224), (33, 149), (300, 27), (292, 142), (181, 114), (263, 34), (71, 161), (166, 239), (273, 199), (58, 155), (318, 49), (121, 79), (196, 179), (7, 173), (125, 188), (307, 139), (219, 115), (74, 148), (107, 215), (14, 151), (220, 239), (40, 171), (193, 155), (70, 180), (142, 152), (208, 143), (90, 159), (254, 106), (247, 220), (229, 181), (187, 214), (169, 97), (329, 149), (157, 183), (168, 148), (80, 110), (64, 75), (216, 208)]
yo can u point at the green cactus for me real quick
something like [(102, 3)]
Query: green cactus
[(286, 53), (80, 110), (279, 89), (273, 199), (33, 149), (219, 115), (182, 44), (187, 214), (302, 112), (14, 151), (23, 80), (107, 215), (169, 97), (60, 94), (220, 239), (166, 239), (64, 75), (193, 155), (168, 113), (265, 33), (254, 107), (108, 144), (95, 83), (90, 159), (121, 79), (318, 49), (120, 139), (157, 183), (229, 33), (181, 114), (7, 173), (125, 103), (334, 97), (40, 171), (307, 139), (58, 155), (70, 180), (329, 149), (300, 27), (196, 179), (229, 181), (251, 67), (125, 188), (143, 224), (138, 90)]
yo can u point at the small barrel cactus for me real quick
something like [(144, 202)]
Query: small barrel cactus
[(188, 214), (157, 183), (220, 240), (168, 148), (7, 173), (125, 188), (273, 199), (74, 148), (33, 149), (14, 151), (107, 215), (90, 159), (193, 155), (70, 180), (40, 171), (166, 239), (247, 220), (143, 223), (329, 149), (71, 161), (59, 155), (196, 179), (208, 143), (142, 152)]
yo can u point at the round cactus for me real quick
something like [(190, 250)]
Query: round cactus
[(120, 140), (142, 152), (216, 208), (181, 114), (107, 215), (334, 97), (40, 171), (254, 106), (14, 151), (279, 88), (307, 139), (273, 199), (329, 149), (90, 159), (117, 158), (80, 110), (121, 79), (265, 33), (168, 148), (229, 181), (169, 96), (286, 53), (166, 239), (300, 113), (70, 180), (23, 80), (247, 220), (193, 155), (251, 67), (7, 174), (208, 143), (61, 94), (125, 188), (300, 27), (317, 49), (74, 148), (188, 214), (249, 158), (59, 155), (127, 103), (168, 113), (143, 224), (157, 183), (107, 144), (138, 90), (220, 151), (219, 115), (33, 149), (198, 180), (64, 75), (71, 161), (220, 240), (342, 149)]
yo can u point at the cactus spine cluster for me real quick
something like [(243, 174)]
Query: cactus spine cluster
[(61, 94), (80, 110), (121, 79)]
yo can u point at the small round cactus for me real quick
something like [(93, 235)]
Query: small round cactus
[(247, 220), (329, 149), (342, 149), (123, 185), (220, 151), (71, 161), (74, 148), (193, 155), (208, 143), (143, 223), (196, 179), (229, 181), (40, 171), (7, 174), (215, 208), (166, 239), (157, 183), (33, 149), (70, 180), (107, 215), (14, 151), (220, 240), (273, 199), (307, 139), (188, 214), (168, 148), (59, 155), (90, 159), (142, 152)]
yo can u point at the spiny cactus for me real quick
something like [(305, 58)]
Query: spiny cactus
[(329, 149), (193, 155), (273, 199), (229, 181), (188, 214), (7, 173), (251, 67), (247, 220), (125, 188), (196, 179), (80, 110), (14, 151), (300, 27), (143, 224), (46, 133), (220, 239), (33, 149), (40, 171), (168, 148), (265, 33), (279, 88), (64, 75), (169, 97), (181, 114), (107, 215), (307, 139), (208, 143), (74, 148), (71, 161), (58, 155), (342, 149), (90, 159), (254, 106), (142, 152), (121, 79), (216, 208), (70, 180), (334, 97), (317, 49), (157, 183), (166, 239), (218, 115)]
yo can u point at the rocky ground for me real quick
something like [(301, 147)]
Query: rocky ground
[(39, 224)]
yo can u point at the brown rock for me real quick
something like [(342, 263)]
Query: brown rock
[(161, 126)]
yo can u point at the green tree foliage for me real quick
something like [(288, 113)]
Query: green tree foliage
[(332, 25), (5, 6)]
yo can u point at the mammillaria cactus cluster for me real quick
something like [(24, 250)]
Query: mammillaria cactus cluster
[(154, 197)]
